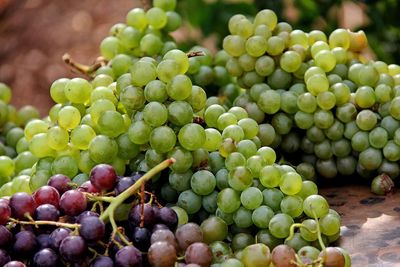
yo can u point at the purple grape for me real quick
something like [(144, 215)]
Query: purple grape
[(160, 226), (103, 177), (199, 253), (88, 187), (60, 182), (25, 243), (128, 256), (57, 236), (92, 229), (141, 238), (5, 213), (86, 213), (43, 241), (21, 204), (14, 264), (149, 215), (102, 261), (6, 237), (47, 212), (45, 258), (162, 254), (46, 195), (123, 184), (73, 248), (4, 257), (168, 217)]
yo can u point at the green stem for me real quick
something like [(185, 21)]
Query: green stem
[(321, 242), (92, 197), (134, 188), (298, 225), (36, 223)]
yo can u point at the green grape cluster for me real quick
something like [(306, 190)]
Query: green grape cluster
[(315, 98)]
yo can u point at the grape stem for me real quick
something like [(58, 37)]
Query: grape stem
[(134, 188), (36, 223), (195, 54), (81, 68), (93, 197)]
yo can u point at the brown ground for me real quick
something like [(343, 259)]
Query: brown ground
[(34, 34)]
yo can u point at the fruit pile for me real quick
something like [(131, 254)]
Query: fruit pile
[(165, 157)]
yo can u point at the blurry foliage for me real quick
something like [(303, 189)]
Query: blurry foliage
[(383, 28)]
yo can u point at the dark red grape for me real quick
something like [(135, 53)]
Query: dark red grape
[(103, 176), (199, 253), (5, 201), (88, 187), (45, 258), (164, 235), (60, 182), (5, 213), (92, 228), (43, 241), (14, 264), (73, 248), (102, 261), (149, 215), (46, 195), (159, 226), (168, 217), (85, 214), (21, 204), (188, 234), (24, 244), (141, 238), (113, 249), (6, 237), (57, 236), (73, 202), (47, 212), (162, 254), (283, 256), (4, 257), (332, 257), (128, 256)]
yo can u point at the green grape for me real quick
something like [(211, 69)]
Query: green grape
[(282, 123), (316, 35), (340, 38), (314, 70), (330, 224), (247, 62), (290, 61), (155, 114), (279, 225), (69, 117), (180, 87), (264, 66), (303, 120), (394, 108), (57, 138), (136, 18), (290, 183), (251, 198), (213, 139), (110, 47), (266, 134), (315, 206), (228, 200), (275, 46), (102, 92), (151, 44), (240, 178), (139, 132), (256, 46), (7, 166), (222, 178), (153, 158), (235, 45), (247, 148), (85, 163), (370, 158), (111, 123), (249, 127), (20, 183), (326, 100), (306, 102), (142, 73), (184, 160), (317, 47), (391, 151), (167, 69), (189, 201), (35, 126), (242, 218), (155, 91), (197, 99), (368, 76), (192, 136), (203, 182), (340, 55), (292, 205), (261, 216), (156, 17), (269, 101), (132, 98), (289, 102), (81, 136), (39, 146), (180, 58), (266, 17), (163, 139), (64, 165), (180, 181), (126, 148), (360, 141), (378, 137), (57, 92), (270, 176), (174, 21), (317, 83), (365, 97), (103, 149), (234, 160), (130, 37), (383, 93), (325, 59), (309, 230), (255, 164), (268, 154), (366, 120), (179, 113), (53, 112), (341, 92), (323, 119)]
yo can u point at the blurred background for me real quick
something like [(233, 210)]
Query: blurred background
[(34, 34)]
